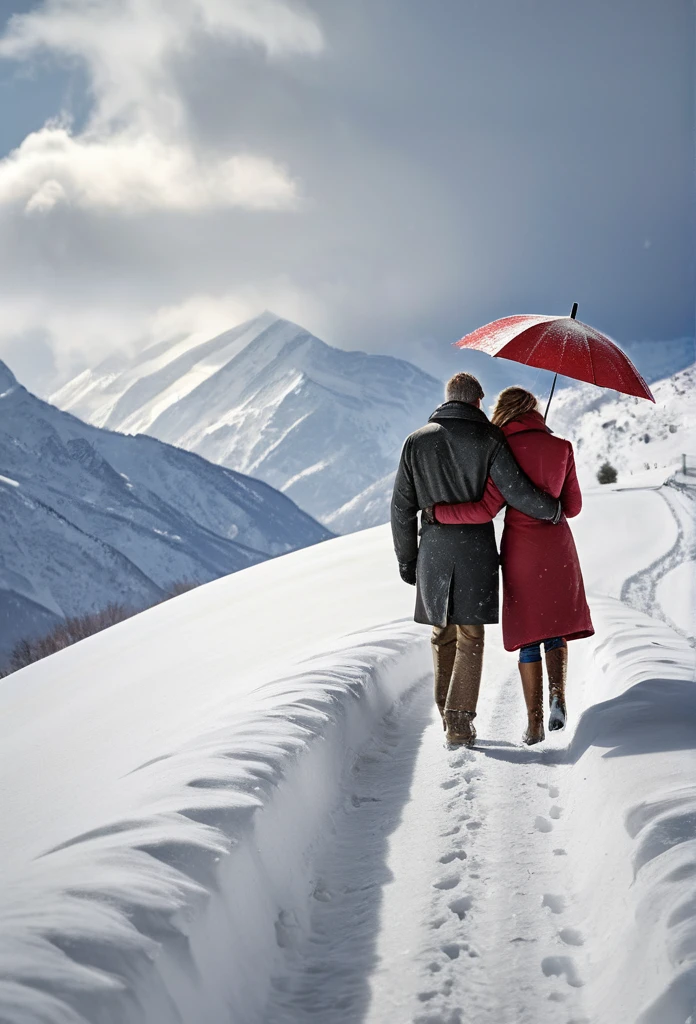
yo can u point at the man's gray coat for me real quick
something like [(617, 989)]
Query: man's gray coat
[(449, 460)]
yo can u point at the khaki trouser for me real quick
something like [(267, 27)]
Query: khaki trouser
[(458, 661)]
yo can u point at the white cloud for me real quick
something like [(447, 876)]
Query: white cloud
[(202, 315), (127, 46), (134, 154), (132, 172)]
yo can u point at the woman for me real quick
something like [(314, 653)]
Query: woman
[(543, 592)]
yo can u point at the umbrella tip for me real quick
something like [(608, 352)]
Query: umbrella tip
[(574, 311)]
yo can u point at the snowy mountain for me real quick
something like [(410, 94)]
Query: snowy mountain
[(89, 517), (633, 435), (271, 400)]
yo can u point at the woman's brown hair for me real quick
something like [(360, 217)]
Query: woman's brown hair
[(512, 403)]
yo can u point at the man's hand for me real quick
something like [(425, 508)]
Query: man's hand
[(407, 571), (428, 515)]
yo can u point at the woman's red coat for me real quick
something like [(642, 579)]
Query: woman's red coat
[(543, 591)]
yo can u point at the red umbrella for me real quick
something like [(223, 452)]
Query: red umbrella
[(561, 344)]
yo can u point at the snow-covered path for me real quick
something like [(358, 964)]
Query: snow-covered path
[(216, 818), (443, 871), (447, 888)]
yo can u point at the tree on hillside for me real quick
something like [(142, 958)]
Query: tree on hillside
[(606, 474)]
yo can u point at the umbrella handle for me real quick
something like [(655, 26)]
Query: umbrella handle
[(573, 314), (553, 388)]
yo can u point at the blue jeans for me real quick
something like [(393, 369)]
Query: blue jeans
[(532, 652)]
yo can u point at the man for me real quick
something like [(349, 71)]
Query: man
[(455, 568)]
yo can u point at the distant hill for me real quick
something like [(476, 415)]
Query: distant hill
[(632, 434), (89, 517)]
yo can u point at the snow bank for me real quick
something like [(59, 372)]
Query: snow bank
[(173, 912), (632, 847), (162, 785)]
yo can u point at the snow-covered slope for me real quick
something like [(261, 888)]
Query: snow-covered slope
[(271, 400), (369, 508), (206, 819), (632, 434), (89, 517)]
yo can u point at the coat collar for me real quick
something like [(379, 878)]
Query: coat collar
[(458, 411), (528, 421)]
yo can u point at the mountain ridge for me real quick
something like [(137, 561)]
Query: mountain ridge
[(90, 516), (269, 398)]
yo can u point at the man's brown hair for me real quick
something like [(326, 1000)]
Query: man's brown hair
[(463, 387)]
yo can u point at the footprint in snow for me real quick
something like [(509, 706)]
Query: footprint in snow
[(461, 906), (473, 825), (451, 950), (571, 937), (453, 1017), (561, 966), (461, 759), (542, 824), (454, 855), (450, 783), (556, 904), (555, 812), (560, 852), (448, 882), (451, 831), (554, 792)]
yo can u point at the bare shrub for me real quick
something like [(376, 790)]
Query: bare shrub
[(78, 627), (65, 633), (179, 587)]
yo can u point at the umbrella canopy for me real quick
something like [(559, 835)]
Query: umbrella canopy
[(563, 345)]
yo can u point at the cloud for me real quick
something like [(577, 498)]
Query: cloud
[(128, 47), (134, 153), (131, 172), (388, 174), (202, 316)]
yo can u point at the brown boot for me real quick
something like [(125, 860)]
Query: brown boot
[(444, 648), (460, 727), (466, 671), (532, 677), (557, 669)]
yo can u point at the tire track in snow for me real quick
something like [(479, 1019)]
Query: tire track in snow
[(640, 590)]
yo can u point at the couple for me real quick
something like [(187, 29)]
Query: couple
[(459, 471)]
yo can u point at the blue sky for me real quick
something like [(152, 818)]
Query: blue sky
[(387, 172)]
